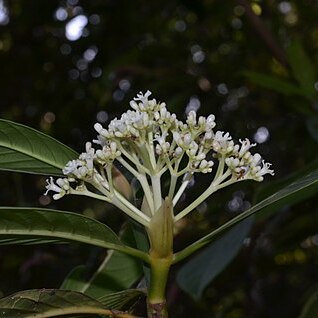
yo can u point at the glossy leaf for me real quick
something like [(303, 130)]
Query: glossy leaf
[(274, 83), (75, 280), (117, 272), (123, 300), (302, 67), (25, 149), (34, 226), (299, 196), (311, 307), (199, 272), (312, 126), (291, 189), (142, 243), (45, 303)]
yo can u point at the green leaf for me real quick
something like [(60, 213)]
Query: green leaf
[(312, 126), (123, 300), (75, 279), (34, 226), (274, 83), (302, 67), (311, 307), (199, 272), (46, 303), (142, 243), (117, 272), (25, 149), (299, 196), (291, 189)]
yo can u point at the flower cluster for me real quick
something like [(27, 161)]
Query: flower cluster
[(149, 141)]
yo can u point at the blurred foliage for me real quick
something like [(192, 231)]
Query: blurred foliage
[(67, 64)]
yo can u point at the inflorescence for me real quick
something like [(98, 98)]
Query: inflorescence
[(149, 142)]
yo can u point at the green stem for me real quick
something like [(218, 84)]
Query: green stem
[(156, 302), (181, 189), (133, 159), (141, 177), (124, 205), (151, 152), (173, 183), (220, 169), (156, 189), (91, 194), (215, 185), (80, 310), (121, 202)]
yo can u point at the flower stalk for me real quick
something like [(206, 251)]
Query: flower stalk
[(160, 233), (150, 144)]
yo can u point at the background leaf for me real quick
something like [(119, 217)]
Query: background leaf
[(117, 272), (294, 187), (312, 126), (75, 279), (123, 300), (274, 83), (34, 226), (199, 271), (52, 303), (25, 149), (299, 196), (302, 67), (311, 307), (142, 244)]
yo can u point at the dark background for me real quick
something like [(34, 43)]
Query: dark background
[(65, 65)]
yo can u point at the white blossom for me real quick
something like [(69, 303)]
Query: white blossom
[(149, 141), (62, 187)]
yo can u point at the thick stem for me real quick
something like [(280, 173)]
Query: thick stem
[(156, 302), (160, 234), (156, 189)]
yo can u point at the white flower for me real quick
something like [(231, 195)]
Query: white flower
[(222, 143), (62, 187), (262, 170), (152, 143), (245, 147), (206, 166), (71, 167), (108, 153)]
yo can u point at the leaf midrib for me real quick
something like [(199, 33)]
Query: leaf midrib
[(8, 145), (62, 235)]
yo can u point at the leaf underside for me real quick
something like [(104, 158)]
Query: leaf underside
[(117, 272), (199, 271), (294, 187), (53, 303), (34, 226), (24, 149)]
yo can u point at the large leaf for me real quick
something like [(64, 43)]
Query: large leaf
[(299, 196), (199, 272), (54, 303), (75, 280), (122, 300), (117, 272), (33, 226), (312, 126), (25, 149), (302, 67), (310, 309), (142, 243), (274, 83), (294, 187)]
